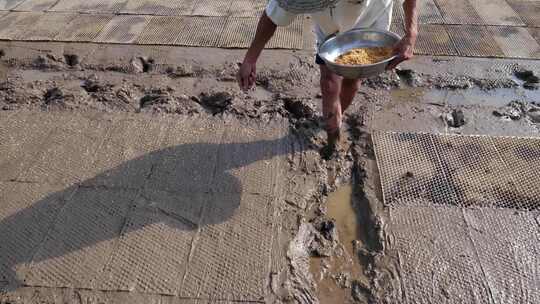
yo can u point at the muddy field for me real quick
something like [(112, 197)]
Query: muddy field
[(336, 223)]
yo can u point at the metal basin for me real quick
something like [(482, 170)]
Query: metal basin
[(357, 38)]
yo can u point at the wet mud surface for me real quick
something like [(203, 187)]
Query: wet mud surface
[(334, 219)]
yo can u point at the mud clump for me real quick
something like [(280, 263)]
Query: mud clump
[(14, 94), (142, 64), (386, 80), (165, 101), (216, 103), (361, 293), (531, 81), (325, 237), (180, 71), (108, 97), (526, 75), (513, 111), (155, 97), (517, 110), (300, 284), (410, 77), (94, 86), (124, 95), (455, 119), (63, 99), (54, 95), (48, 62), (343, 280)]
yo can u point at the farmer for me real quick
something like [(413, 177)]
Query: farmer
[(330, 17)]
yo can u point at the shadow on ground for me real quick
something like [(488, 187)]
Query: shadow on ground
[(189, 184)]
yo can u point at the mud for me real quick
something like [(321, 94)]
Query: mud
[(410, 77), (517, 110), (336, 277), (335, 236), (455, 119)]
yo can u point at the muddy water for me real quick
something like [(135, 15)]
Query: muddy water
[(473, 96), (340, 206), (418, 94), (496, 98)]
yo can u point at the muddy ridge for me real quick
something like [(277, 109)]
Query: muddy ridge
[(66, 83)]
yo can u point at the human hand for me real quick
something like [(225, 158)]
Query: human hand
[(403, 50), (246, 75)]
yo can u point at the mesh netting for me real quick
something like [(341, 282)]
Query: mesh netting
[(467, 171), (463, 216)]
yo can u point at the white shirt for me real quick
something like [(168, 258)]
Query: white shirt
[(346, 15)]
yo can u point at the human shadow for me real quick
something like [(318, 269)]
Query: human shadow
[(190, 186)]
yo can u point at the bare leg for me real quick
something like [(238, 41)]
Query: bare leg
[(349, 88), (331, 87)]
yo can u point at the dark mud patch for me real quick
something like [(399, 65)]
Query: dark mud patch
[(455, 119), (155, 97), (63, 98), (299, 108), (217, 102), (93, 85), (142, 64), (49, 62), (54, 95), (72, 60), (326, 237), (527, 76), (531, 81)]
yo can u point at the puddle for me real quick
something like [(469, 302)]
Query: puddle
[(473, 96), (339, 207), (419, 95), (496, 98)]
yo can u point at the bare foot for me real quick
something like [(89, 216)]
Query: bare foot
[(333, 140)]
